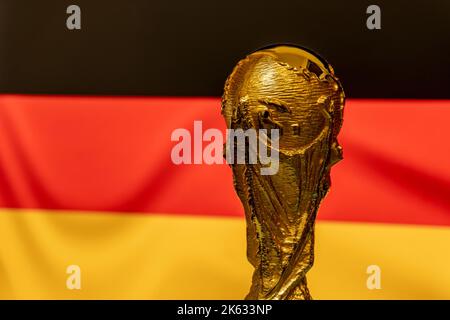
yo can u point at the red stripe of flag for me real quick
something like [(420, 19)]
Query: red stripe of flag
[(113, 154)]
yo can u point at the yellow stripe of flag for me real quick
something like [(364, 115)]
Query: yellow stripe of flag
[(137, 256)]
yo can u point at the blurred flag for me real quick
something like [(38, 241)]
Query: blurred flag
[(91, 205)]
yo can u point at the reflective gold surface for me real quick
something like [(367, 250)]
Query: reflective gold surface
[(289, 89)]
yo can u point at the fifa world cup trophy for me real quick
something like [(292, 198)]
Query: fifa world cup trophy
[(294, 91)]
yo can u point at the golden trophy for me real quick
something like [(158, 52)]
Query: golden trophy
[(292, 90)]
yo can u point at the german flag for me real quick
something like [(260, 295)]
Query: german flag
[(87, 184)]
